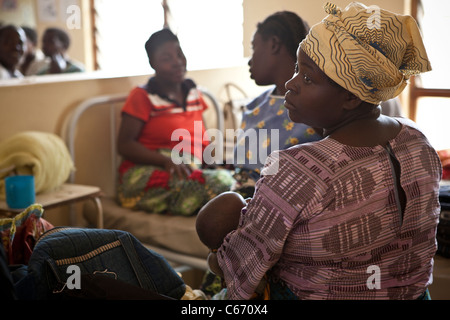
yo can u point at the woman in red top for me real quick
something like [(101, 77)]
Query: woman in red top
[(162, 138)]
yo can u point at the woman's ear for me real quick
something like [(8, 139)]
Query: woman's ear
[(352, 101), (275, 44)]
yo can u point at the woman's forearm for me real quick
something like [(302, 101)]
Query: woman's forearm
[(138, 153)]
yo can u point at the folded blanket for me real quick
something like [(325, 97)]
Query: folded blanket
[(41, 154)]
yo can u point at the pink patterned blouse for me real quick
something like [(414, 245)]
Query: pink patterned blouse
[(330, 226)]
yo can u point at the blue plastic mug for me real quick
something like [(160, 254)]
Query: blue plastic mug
[(20, 191)]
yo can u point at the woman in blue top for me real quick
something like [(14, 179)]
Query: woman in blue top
[(265, 123)]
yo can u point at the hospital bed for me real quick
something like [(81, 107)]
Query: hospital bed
[(91, 133)]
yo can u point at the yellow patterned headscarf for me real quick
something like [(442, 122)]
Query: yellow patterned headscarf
[(369, 51)]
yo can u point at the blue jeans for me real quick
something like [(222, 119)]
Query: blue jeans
[(111, 252)]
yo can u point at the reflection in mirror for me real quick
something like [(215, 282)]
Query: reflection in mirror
[(12, 48), (49, 28), (55, 44), (101, 41)]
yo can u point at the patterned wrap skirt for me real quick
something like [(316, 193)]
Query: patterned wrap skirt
[(152, 189)]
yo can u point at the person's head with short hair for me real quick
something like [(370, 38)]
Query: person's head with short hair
[(55, 41), (274, 45), (12, 47), (166, 56), (31, 35), (290, 28), (32, 43)]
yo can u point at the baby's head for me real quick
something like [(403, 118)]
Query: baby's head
[(218, 217)]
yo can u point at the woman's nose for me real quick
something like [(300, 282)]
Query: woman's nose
[(289, 84)]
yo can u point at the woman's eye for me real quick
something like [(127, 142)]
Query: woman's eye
[(306, 79)]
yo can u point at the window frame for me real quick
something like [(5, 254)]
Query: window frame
[(415, 91)]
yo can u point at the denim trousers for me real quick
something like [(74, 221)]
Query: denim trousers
[(111, 252)]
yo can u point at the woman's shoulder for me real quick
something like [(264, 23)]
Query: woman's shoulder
[(410, 131), (138, 96), (137, 92), (302, 170), (321, 148), (408, 123), (324, 153)]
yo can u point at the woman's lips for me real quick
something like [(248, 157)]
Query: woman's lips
[(287, 102)]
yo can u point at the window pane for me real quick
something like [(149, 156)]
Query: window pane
[(123, 27), (210, 31), (432, 117), (435, 22)]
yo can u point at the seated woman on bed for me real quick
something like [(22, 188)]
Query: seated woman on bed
[(161, 171)]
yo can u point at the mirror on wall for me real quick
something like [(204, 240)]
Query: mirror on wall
[(114, 41), (70, 40)]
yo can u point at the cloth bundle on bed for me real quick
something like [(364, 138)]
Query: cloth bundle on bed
[(41, 154)]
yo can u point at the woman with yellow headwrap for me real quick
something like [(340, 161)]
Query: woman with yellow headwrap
[(352, 216)]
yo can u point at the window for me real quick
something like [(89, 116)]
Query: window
[(430, 92), (210, 31), (433, 17), (209, 40), (121, 30)]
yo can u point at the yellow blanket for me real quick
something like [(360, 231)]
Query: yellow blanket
[(41, 154)]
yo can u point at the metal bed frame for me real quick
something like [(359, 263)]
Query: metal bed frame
[(184, 261)]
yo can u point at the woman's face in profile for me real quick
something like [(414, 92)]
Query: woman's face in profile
[(260, 61), (169, 62), (311, 98)]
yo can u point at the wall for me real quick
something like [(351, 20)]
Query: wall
[(44, 103), (41, 103), (311, 11)]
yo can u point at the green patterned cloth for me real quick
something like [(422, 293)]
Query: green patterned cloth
[(150, 188)]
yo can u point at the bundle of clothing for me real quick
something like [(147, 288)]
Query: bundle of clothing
[(41, 154)]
